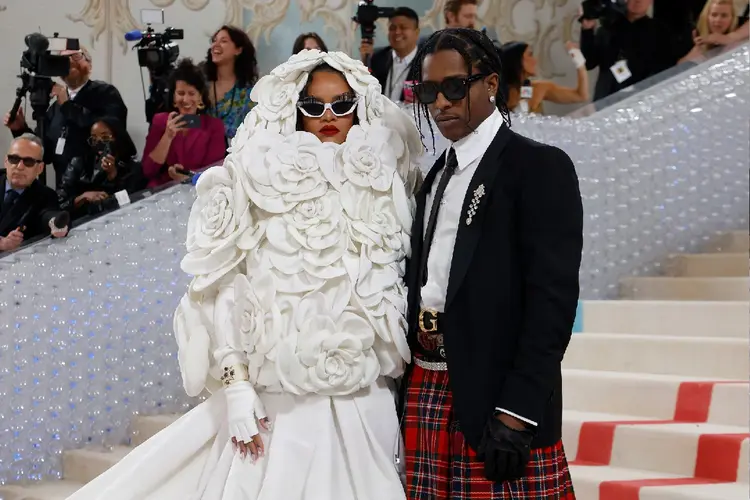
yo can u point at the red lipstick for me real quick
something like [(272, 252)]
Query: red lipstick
[(329, 130)]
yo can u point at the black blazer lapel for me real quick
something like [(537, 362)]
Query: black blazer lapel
[(470, 222)]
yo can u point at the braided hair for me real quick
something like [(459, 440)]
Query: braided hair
[(477, 51)]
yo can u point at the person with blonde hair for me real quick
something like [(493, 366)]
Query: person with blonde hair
[(718, 18)]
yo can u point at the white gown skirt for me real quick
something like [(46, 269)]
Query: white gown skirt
[(319, 448)]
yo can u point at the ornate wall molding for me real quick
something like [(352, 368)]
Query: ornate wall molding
[(336, 14), (267, 15), (195, 5), (110, 17)]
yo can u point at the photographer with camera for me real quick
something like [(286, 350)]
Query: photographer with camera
[(392, 65), (627, 47), (186, 138), (107, 166), (77, 105)]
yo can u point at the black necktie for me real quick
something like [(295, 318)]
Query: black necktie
[(10, 198), (450, 167)]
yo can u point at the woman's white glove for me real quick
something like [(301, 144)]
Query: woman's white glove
[(575, 53), (243, 408)]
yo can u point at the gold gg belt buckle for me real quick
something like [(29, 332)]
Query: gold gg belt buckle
[(428, 320)]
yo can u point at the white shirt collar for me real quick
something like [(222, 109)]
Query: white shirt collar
[(406, 60), (73, 92), (476, 143)]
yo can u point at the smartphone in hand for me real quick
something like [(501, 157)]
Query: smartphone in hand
[(191, 121)]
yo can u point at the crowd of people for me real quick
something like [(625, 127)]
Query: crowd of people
[(87, 144)]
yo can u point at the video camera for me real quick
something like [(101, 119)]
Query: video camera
[(158, 53), (607, 11), (367, 14), (38, 66)]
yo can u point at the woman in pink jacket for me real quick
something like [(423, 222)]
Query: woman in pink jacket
[(185, 139)]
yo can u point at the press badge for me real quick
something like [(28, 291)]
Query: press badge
[(620, 71), (122, 198), (60, 147), (527, 91)]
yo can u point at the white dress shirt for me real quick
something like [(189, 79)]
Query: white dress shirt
[(394, 84), (72, 93), (469, 152)]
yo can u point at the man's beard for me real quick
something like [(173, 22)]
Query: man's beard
[(76, 81)]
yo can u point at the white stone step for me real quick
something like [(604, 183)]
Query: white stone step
[(622, 484), (671, 288), (674, 318), (721, 491), (708, 265), (143, 428), (47, 490), (733, 242), (656, 396), (84, 465), (670, 448), (692, 356)]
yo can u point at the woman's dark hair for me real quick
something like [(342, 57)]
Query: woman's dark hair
[(123, 146), (477, 51), (299, 43), (511, 54), (191, 74), (245, 64), (322, 68)]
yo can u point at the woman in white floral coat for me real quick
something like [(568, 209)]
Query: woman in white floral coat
[(297, 246)]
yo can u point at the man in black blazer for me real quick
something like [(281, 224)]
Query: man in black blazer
[(393, 65), (69, 119), (28, 208), (493, 287)]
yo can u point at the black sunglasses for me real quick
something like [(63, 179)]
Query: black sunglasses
[(93, 140), (27, 161), (312, 108), (454, 88)]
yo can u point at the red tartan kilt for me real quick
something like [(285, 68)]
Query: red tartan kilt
[(440, 465)]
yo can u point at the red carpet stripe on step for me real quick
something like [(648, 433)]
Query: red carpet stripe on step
[(596, 439), (694, 400), (631, 490), (719, 456)]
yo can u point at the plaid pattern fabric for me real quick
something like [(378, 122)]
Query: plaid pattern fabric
[(441, 466)]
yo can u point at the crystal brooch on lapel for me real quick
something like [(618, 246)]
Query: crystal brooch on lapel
[(478, 193)]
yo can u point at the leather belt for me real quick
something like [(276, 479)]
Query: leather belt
[(431, 342)]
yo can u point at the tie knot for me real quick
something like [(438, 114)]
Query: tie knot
[(11, 195)]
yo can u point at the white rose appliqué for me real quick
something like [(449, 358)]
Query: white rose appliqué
[(289, 172), (219, 217), (364, 165), (333, 355)]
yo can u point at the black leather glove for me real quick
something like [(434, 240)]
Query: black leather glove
[(505, 451)]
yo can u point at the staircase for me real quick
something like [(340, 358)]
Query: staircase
[(81, 466), (655, 386)]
